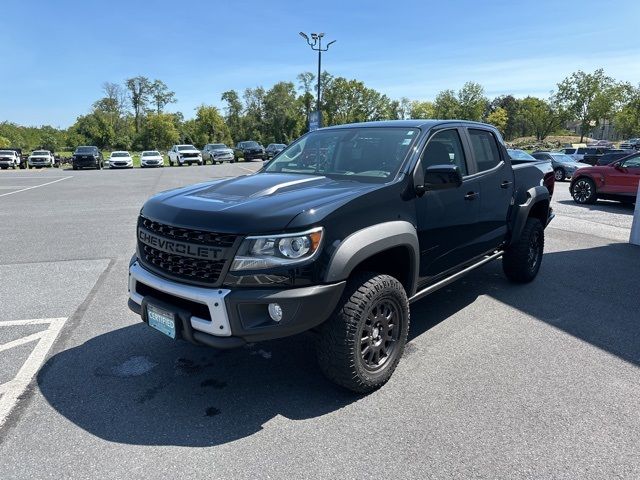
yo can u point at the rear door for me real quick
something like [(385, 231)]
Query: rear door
[(496, 180), (447, 218)]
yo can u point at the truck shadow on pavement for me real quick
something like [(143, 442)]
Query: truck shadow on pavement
[(135, 386), (608, 206)]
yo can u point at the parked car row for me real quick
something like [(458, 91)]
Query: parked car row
[(615, 177)]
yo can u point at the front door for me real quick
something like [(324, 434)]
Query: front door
[(447, 218), (623, 180)]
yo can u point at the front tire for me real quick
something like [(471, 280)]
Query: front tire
[(521, 261), (583, 191), (361, 344)]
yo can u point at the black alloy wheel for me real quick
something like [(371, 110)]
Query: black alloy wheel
[(583, 191)]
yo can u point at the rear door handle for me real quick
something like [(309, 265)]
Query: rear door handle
[(471, 195), (506, 184)]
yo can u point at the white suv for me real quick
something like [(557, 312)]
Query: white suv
[(181, 154)]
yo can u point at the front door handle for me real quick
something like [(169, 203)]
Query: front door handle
[(471, 195), (506, 184)]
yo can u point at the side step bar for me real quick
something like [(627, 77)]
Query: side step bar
[(446, 281)]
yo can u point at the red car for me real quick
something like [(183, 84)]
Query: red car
[(616, 181)]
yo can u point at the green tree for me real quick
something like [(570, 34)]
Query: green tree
[(511, 106), (446, 105), (140, 89), (499, 119), (161, 95), (282, 117), (422, 110), (4, 142), (233, 114), (210, 126), (627, 120), (589, 97), (542, 117), (472, 102), (158, 132)]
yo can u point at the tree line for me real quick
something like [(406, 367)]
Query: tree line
[(132, 115)]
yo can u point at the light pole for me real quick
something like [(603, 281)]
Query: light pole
[(315, 42)]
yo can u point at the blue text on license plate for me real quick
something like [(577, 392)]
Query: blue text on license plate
[(161, 320)]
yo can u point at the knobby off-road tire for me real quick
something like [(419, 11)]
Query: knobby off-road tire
[(521, 262), (361, 344)]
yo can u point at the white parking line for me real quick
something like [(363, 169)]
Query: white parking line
[(246, 169), (34, 186), (12, 390)]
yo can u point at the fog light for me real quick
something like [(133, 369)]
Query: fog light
[(275, 312)]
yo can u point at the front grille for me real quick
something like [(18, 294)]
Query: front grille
[(189, 155), (204, 271), (196, 236), (186, 267)]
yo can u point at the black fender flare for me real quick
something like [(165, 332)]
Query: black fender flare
[(370, 241), (535, 195)]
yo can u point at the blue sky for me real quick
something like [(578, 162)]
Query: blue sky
[(57, 54)]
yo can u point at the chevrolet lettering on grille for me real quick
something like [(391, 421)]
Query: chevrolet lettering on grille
[(179, 248)]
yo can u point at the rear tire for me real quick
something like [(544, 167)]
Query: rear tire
[(583, 191), (521, 261), (559, 174), (361, 344)]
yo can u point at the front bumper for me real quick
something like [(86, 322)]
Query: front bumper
[(85, 162), (254, 155), (7, 163), (224, 318), (120, 164), (227, 157), (40, 163), (152, 163)]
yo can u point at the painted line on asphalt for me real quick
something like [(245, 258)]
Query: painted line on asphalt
[(246, 169), (34, 186), (12, 390)]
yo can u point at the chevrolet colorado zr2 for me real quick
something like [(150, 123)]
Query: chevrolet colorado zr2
[(339, 234)]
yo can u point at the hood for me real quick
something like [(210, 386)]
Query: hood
[(578, 164), (191, 150), (259, 203)]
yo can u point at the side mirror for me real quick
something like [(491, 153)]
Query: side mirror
[(437, 177), (618, 166)]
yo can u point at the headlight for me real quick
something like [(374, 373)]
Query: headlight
[(269, 251)]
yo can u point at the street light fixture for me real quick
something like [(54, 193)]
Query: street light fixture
[(316, 44)]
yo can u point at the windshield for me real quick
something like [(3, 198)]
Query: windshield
[(249, 144), (151, 154), (218, 146), (85, 150), (367, 154), (182, 148), (6, 152), (561, 157), (520, 155), (120, 154), (40, 152)]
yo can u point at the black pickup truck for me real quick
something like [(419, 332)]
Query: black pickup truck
[(339, 234)]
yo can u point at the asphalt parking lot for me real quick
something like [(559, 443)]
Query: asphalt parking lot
[(498, 381)]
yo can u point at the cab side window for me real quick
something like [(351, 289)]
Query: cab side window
[(485, 149), (445, 148), (632, 162)]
